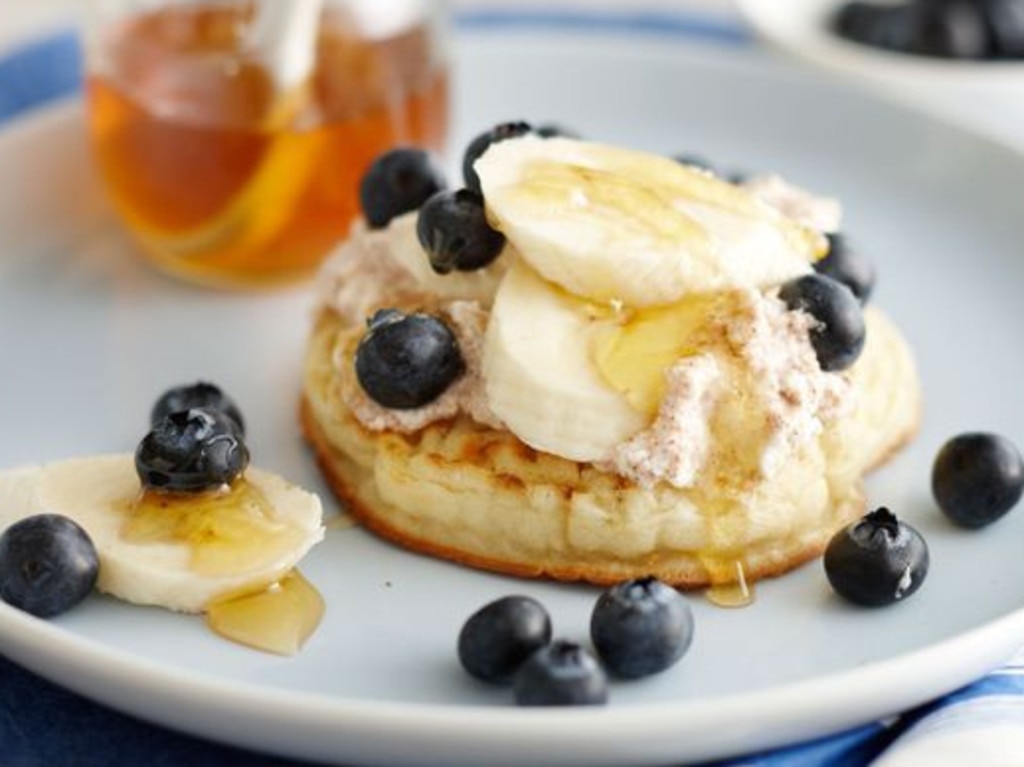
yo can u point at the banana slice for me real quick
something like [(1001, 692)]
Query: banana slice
[(539, 377), (182, 556), (612, 224)]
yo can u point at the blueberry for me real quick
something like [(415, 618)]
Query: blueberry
[(482, 143), (846, 264), (961, 29), (398, 182), (554, 130), (881, 26), (950, 29), (694, 161), (191, 451), (894, 30), (640, 627), (498, 637), (200, 394), (838, 334), (561, 674), (1005, 22), (407, 360), (48, 564), (877, 560), (977, 478), (452, 228), (857, 20)]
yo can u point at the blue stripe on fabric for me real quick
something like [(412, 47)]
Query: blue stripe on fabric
[(999, 684), (994, 684), (853, 748), (665, 24), (861, 746), (40, 72)]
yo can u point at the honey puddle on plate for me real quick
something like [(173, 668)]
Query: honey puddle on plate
[(729, 587), (279, 619), (342, 521), (232, 530)]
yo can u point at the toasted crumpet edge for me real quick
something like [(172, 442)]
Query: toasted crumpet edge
[(681, 569)]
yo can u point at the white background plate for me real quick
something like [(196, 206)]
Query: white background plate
[(90, 336)]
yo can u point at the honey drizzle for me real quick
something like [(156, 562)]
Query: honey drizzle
[(342, 521), (278, 619), (231, 530), (734, 592), (227, 530), (727, 524)]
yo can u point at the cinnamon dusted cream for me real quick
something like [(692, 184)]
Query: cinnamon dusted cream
[(675, 447), (797, 398), (764, 352)]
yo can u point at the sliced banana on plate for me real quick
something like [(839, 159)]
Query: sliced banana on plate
[(179, 552)]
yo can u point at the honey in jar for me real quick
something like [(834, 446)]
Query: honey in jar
[(225, 180)]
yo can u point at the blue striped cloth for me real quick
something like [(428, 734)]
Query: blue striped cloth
[(45, 725), (39, 72)]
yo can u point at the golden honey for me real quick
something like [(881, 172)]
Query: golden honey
[(278, 619), (729, 587), (227, 531), (222, 179), (633, 354)]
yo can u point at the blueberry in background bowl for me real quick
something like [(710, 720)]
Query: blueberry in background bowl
[(985, 92), (944, 28), (954, 29)]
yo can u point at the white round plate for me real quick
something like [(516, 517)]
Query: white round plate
[(91, 336), (986, 94)]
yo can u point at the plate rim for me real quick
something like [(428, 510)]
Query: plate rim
[(43, 646), (986, 645)]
